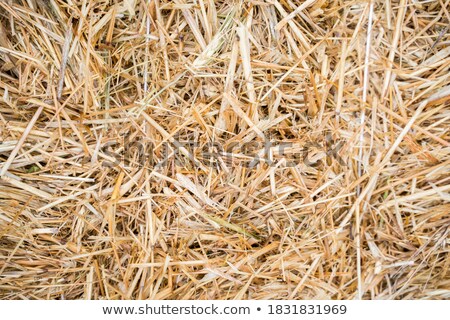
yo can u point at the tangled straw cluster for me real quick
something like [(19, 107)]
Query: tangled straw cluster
[(80, 75)]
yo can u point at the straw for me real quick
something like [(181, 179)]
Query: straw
[(199, 149)]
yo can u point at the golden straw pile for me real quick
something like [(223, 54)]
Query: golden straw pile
[(246, 149)]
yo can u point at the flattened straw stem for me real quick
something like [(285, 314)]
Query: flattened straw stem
[(361, 140), (147, 40), (364, 94), (64, 58), (398, 27)]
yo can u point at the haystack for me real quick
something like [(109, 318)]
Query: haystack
[(199, 149)]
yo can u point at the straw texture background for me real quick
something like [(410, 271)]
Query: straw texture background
[(363, 87)]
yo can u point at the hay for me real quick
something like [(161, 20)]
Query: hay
[(199, 149)]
